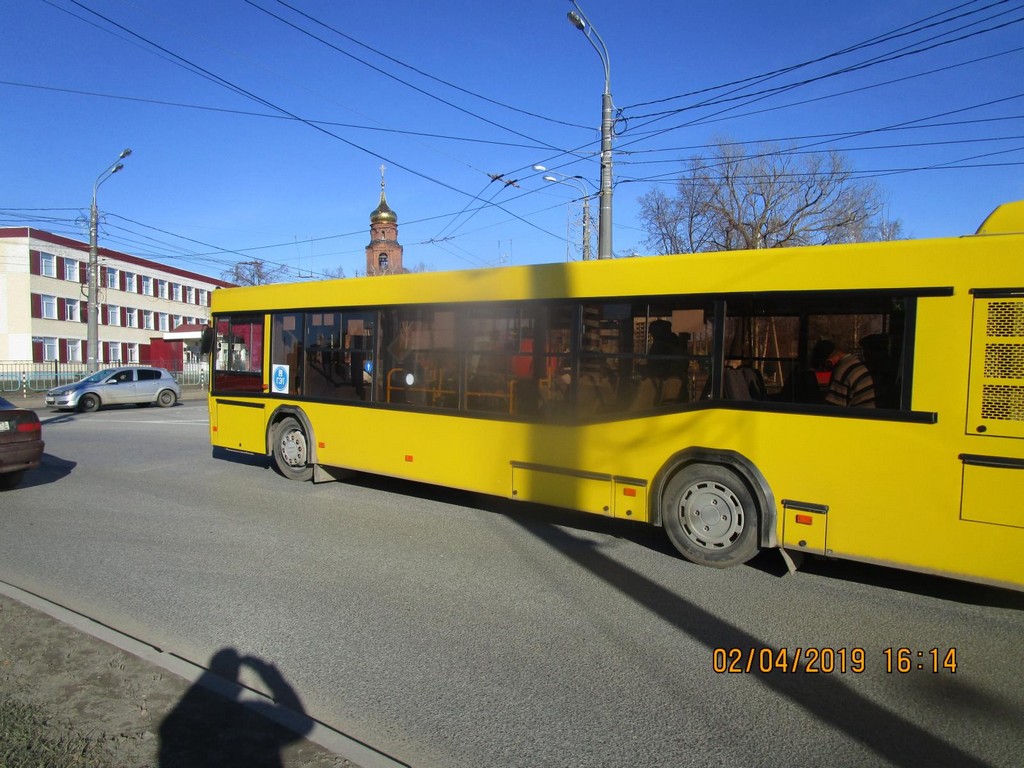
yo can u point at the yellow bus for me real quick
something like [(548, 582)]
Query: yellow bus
[(692, 392)]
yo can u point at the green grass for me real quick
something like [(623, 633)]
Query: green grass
[(29, 738)]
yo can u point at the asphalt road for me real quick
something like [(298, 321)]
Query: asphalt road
[(451, 630)]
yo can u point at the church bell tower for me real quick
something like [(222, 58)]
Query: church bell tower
[(384, 253)]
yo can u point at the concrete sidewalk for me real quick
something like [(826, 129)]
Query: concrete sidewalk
[(130, 699)]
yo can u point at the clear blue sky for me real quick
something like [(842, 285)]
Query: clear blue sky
[(252, 138)]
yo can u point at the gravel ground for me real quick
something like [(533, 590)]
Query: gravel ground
[(131, 712)]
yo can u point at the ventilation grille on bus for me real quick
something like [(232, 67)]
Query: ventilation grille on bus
[(1005, 361), (1005, 318), (1006, 403)]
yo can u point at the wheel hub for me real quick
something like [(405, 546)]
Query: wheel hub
[(711, 515), (293, 448)]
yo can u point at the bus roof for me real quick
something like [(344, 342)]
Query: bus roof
[(1004, 220)]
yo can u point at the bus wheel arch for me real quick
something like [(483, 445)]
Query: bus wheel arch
[(715, 506), (291, 443)]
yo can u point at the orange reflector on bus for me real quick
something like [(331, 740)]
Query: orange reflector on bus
[(629, 491), (321, 445), (408, 457), (805, 519)]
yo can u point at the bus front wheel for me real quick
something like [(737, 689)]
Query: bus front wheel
[(710, 516), (291, 450)]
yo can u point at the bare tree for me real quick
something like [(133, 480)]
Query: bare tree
[(255, 272), (335, 273), (735, 198)]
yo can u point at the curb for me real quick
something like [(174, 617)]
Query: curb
[(309, 728)]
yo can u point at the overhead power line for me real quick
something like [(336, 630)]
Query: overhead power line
[(427, 74), (388, 74), (894, 34), (258, 99), (268, 116)]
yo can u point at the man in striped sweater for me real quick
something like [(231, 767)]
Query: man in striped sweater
[(851, 385)]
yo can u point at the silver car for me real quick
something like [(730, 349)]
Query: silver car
[(116, 386)]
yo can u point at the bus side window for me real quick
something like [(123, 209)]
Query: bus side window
[(791, 343), (238, 364), (419, 364), (287, 334)]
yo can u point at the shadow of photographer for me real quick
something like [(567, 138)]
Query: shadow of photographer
[(213, 726)]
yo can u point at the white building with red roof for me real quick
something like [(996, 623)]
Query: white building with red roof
[(150, 313)]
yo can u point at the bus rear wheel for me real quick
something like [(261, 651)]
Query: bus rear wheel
[(710, 516), (291, 450)]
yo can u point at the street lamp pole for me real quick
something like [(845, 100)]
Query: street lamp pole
[(572, 181), (92, 328), (604, 226)]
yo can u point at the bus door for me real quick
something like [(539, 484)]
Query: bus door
[(993, 471)]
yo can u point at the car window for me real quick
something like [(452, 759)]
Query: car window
[(97, 377), (146, 375)]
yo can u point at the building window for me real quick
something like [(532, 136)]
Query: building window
[(71, 270), (111, 278), (47, 264), (113, 314), (177, 291), (147, 320), (49, 307), (190, 294), (113, 352), (164, 321), (147, 285), (162, 288), (133, 353), (49, 349), (129, 282), (176, 321), (131, 318), (202, 297), (71, 310), (74, 347)]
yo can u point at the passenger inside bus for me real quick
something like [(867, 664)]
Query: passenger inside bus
[(665, 369), (805, 382), (851, 385), (741, 381)]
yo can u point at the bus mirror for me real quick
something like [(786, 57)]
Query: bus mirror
[(206, 345)]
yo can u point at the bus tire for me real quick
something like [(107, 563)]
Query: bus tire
[(710, 516), (291, 450)]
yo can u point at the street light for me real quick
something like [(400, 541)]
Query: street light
[(604, 227), (93, 330), (573, 181)]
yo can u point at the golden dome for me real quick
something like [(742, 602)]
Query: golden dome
[(383, 213)]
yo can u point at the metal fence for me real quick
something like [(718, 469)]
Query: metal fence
[(29, 378)]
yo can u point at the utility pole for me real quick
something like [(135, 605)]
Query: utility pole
[(604, 225), (93, 328)]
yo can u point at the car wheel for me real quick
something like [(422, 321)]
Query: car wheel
[(11, 479), (89, 403), (291, 450), (166, 398), (710, 516)]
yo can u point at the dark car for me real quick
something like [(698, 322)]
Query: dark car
[(21, 444)]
